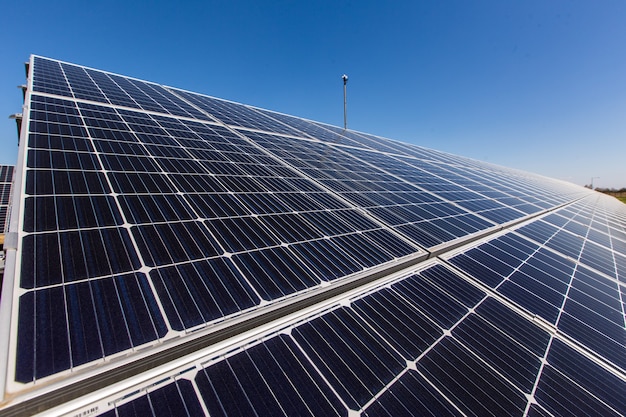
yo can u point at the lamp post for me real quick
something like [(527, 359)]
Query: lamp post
[(592, 178), (344, 77)]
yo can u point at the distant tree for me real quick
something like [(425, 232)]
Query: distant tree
[(610, 191)]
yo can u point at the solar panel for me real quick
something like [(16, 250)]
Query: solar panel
[(179, 254), (6, 179)]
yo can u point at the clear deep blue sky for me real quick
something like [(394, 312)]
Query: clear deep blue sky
[(536, 85)]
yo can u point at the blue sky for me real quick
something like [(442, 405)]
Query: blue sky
[(536, 85)]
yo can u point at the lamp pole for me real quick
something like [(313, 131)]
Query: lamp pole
[(592, 178), (344, 77)]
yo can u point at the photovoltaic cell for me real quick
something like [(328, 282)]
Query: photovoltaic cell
[(471, 385), (531, 337), (597, 381), (493, 261), (584, 387), (275, 273), (450, 283), (438, 305), (408, 330), (354, 361), (514, 361), (200, 292), (173, 400), (64, 257), (536, 410), (48, 213), (66, 326), (409, 396), (247, 382), (592, 329)]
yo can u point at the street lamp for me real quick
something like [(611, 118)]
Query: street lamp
[(344, 77), (592, 178)]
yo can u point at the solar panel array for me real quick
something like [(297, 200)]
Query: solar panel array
[(6, 178), (337, 272)]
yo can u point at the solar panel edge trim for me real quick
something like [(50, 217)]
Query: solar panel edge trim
[(8, 307)]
